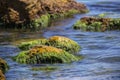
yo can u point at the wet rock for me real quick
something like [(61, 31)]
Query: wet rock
[(45, 54), (97, 24), (64, 43), (2, 77), (27, 11), (3, 69), (3, 65), (29, 44), (55, 41)]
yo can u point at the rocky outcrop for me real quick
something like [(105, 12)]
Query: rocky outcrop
[(3, 68), (2, 77), (97, 24), (25, 11), (3, 65)]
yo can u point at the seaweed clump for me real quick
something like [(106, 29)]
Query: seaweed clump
[(97, 24)]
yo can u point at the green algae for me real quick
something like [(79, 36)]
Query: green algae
[(29, 44), (46, 19), (56, 41), (97, 24), (80, 25), (56, 49), (43, 21), (64, 43)]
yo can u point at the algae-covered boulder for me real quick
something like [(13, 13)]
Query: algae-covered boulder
[(55, 41), (37, 12), (2, 77), (29, 44), (44, 54), (64, 43), (97, 24), (3, 65)]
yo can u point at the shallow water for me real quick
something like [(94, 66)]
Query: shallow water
[(101, 50)]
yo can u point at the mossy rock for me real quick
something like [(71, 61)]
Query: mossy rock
[(64, 43), (3, 65), (55, 41), (46, 19), (29, 44), (45, 54), (36, 12), (97, 24), (2, 77)]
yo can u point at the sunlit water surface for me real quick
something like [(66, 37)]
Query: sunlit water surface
[(101, 50)]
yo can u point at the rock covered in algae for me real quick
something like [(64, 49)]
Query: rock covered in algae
[(2, 77), (26, 11), (64, 43), (3, 65), (97, 24), (45, 54), (56, 41)]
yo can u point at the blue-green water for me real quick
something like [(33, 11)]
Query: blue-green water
[(101, 50)]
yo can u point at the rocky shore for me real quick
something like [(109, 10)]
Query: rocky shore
[(36, 13)]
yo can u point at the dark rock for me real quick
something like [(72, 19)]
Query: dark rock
[(25, 11), (97, 24)]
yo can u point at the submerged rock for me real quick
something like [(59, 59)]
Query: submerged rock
[(55, 41), (37, 12), (45, 68), (45, 54), (97, 24)]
